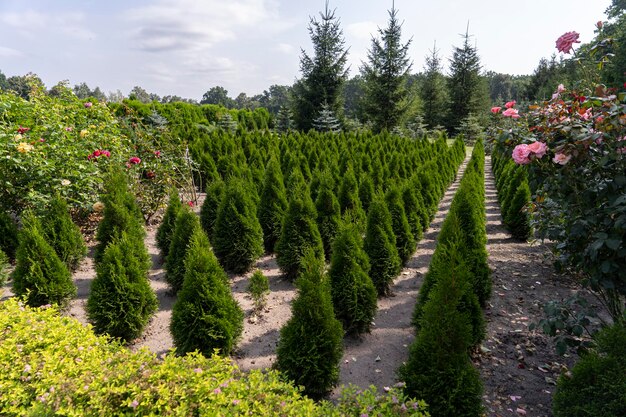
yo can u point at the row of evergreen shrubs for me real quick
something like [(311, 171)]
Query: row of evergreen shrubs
[(448, 315), (53, 365), (513, 194)]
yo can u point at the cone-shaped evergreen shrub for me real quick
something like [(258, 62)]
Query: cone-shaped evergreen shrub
[(348, 197), (4, 268), (299, 233), (366, 191), (328, 213), (353, 292), (238, 240), (205, 316), (121, 301), (273, 205), (439, 369), (8, 234), (62, 234), (405, 242), (258, 287), (310, 345), (413, 210), (186, 224), (121, 214), (380, 247), (517, 219), (166, 228), (208, 211), (39, 274), (296, 184)]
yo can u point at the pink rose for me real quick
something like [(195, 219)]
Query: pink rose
[(561, 158), (521, 154), (88, 104), (510, 112), (134, 160), (496, 110), (538, 148), (560, 88), (565, 42), (157, 154), (510, 104)]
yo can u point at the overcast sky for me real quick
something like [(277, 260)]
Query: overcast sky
[(185, 47)]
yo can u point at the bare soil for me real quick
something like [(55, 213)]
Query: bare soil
[(519, 368)]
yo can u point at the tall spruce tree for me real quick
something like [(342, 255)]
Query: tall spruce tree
[(464, 83), (433, 92), (323, 74), (385, 74)]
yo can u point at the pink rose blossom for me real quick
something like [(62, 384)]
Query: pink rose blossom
[(565, 42), (134, 404), (561, 158), (496, 110), (134, 160), (521, 154), (68, 129), (42, 140), (539, 149), (157, 154), (510, 112), (190, 203), (217, 391), (88, 104), (560, 88), (510, 104)]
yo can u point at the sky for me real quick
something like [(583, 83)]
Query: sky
[(185, 47)]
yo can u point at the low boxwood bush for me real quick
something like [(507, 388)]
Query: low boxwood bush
[(53, 365)]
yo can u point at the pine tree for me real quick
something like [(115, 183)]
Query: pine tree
[(299, 234), (184, 227), (227, 123), (205, 316), (273, 204), (324, 74), (433, 92), (470, 129), (328, 213), (380, 246), (121, 301), (385, 74), (284, 121), (208, 211), (352, 290), (166, 228), (464, 84), (405, 242), (62, 234), (310, 345), (238, 240), (326, 120), (39, 274)]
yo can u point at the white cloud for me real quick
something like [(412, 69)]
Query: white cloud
[(362, 30), (31, 23), (285, 48), (9, 52)]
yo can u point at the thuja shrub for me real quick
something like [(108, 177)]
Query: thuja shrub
[(366, 191), (517, 218), (597, 384), (4, 268), (311, 343), (121, 301), (258, 287), (273, 204), (299, 234), (380, 247), (205, 316), (439, 369), (328, 213), (186, 224), (238, 240), (405, 241), (166, 228), (353, 293), (40, 276), (414, 210), (62, 234), (208, 211), (8, 234)]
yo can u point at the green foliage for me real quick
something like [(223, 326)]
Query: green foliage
[(273, 204), (8, 234), (208, 211), (380, 247), (62, 234), (597, 384), (258, 287), (386, 72), (4, 268), (328, 213), (121, 301), (439, 368), (205, 316), (433, 92), (326, 120), (353, 292), (405, 241), (298, 235), (311, 345), (186, 224), (238, 240), (366, 191), (40, 276), (415, 211), (166, 228), (517, 218)]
